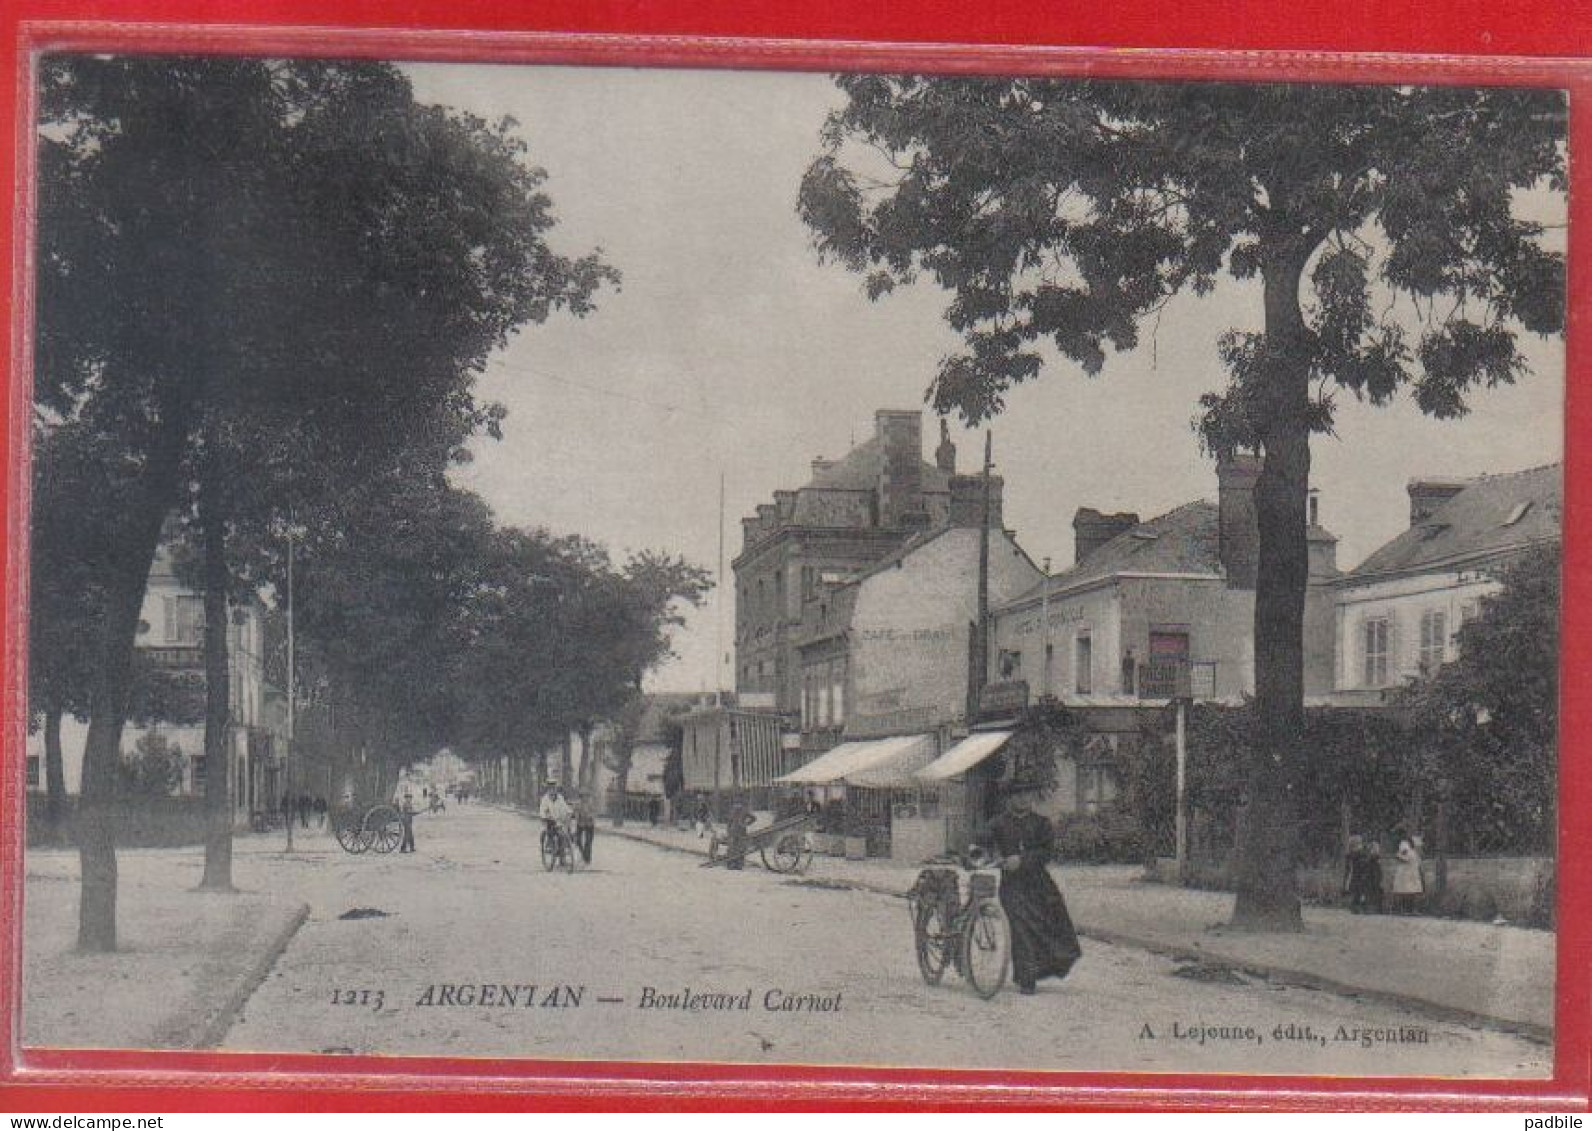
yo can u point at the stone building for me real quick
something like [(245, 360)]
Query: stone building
[(851, 513), (885, 662)]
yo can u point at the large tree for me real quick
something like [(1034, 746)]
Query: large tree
[(265, 273), (1382, 223)]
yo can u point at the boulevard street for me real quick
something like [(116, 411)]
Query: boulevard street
[(644, 955)]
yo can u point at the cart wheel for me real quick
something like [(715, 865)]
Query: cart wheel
[(385, 827), (986, 948), (549, 849), (789, 855), (566, 849), (931, 934), (348, 833)]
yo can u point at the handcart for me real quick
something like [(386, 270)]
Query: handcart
[(784, 846), (380, 829)]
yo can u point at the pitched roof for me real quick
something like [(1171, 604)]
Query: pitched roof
[(1183, 540), (1493, 515), (860, 468)]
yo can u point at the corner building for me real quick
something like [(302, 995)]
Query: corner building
[(852, 513)]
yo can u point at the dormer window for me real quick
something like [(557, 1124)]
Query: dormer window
[(1517, 514)]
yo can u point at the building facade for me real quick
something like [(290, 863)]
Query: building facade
[(171, 640), (850, 514), (1160, 609), (730, 751), (1398, 612)]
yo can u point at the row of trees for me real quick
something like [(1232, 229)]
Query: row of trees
[(265, 289)]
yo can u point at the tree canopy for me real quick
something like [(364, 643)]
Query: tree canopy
[(1384, 224), (266, 281)]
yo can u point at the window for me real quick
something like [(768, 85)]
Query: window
[(1434, 640), (838, 689), (1011, 664), (185, 620), (1083, 664), (33, 771), (1375, 648), (826, 705), (198, 762)]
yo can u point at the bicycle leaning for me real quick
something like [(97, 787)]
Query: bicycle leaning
[(968, 931), (558, 847)]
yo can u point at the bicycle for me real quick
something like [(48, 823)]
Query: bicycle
[(971, 934), (558, 850)]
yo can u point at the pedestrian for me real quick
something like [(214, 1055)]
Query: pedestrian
[(740, 820), (654, 806), (585, 825), (304, 810), (406, 812), (320, 812), (1408, 885), (1362, 881), (1373, 876), (704, 817), (1044, 944)]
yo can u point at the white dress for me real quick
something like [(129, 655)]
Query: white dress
[(1407, 872)]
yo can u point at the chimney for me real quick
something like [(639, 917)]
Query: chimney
[(967, 501), (749, 532), (945, 454), (767, 517), (1091, 530), (785, 505), (1238, 540), (1426, 495), (900, 434)]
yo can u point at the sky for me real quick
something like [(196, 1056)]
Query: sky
[(730, 353)]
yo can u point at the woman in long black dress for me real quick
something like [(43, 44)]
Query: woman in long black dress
[(1044, 944)]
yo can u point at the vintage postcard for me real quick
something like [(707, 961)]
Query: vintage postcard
[(932, 571)]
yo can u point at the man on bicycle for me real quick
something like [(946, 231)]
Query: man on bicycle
[(556, 813)]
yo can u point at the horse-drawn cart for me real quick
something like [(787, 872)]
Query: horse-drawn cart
[(784, 846)]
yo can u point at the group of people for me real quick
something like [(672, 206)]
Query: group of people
[(1363, 880), (571, 813), (302, 808)]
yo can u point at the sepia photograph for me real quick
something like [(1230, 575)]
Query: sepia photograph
[(879, 570)]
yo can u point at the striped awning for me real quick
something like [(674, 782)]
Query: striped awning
[(879, 764), (965, 755)]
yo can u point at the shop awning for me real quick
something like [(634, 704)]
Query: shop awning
[(965, 755), (878, 764)]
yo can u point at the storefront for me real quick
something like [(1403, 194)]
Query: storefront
[(861, 785)]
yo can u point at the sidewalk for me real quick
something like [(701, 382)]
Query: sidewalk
[(1476, 973), (186, 960)]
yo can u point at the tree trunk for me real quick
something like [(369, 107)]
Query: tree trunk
[(566, 757), (109, 692), (218, 713), (1266, 858), (54, 774)]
